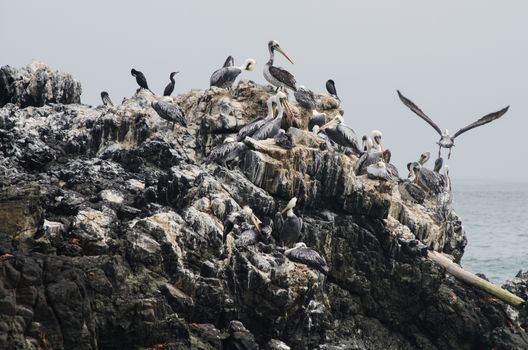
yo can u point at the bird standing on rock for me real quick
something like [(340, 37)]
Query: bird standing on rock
[(289, 229), (170, 86), (226, 76), (330, 87), (106, 99), (341, 134), (227, 151), (300, 253), (171, 112), (140, 79)]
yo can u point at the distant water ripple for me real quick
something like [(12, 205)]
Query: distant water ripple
[(495, 216)]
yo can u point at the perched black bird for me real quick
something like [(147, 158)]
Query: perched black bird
[(170, 86), (330, 87), (140, 79), (172, 113), (106, 99)]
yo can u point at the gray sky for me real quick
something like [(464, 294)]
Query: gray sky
[(457, 60)]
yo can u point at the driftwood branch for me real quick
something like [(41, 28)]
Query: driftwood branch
[(473, 280)]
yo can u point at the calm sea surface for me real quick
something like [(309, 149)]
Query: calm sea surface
[(495, 216)]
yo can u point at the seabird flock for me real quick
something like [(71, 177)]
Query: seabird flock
[(372, 159)]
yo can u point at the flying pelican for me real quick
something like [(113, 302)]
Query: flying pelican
[(447, 141), (106, 99), (171, 112), (226, 76), (230, 61), (170, 86), (289, 229), (251, 127), (140, 79), (300, 253), (227, 151), (271, 127), (341, 134), (409, 190), (330, 87), (276, 76)]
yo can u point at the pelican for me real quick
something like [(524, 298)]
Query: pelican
[(226, 76), (378, 171), (317, 118), (393, 171), (284, 140), (140, 79), (289, 229), (300, 253), (409, 190), (427, 179), (330, 87), (106, 99), (170, 86), (445, 198), (227, 151), (371, 156), (251, 127), (446, 140), (239, 220), (375, 140), (271, 127), (341, 134), (305, 98), (247, 238), (276, 76), (230, 61), (171, 112)]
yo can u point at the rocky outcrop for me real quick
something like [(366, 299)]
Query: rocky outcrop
[(36, 85), (112, 236)]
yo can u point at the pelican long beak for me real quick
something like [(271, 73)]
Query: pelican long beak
[(328, 124), (255, 221), (284, 54)]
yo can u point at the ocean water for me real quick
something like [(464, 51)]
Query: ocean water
[(495, 217)]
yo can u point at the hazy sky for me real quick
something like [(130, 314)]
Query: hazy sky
[(458, 60)]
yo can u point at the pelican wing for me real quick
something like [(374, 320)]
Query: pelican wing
[(250, 128), (309, 257), (224, 77), (268, 130), (484, 120), (318, 119), (350, 136), (418, 112), (305, 98), (230, 61), (221, 152), (284, 77), (170, 112)]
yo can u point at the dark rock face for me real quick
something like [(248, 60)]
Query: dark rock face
[(112, 237), (36, 84)]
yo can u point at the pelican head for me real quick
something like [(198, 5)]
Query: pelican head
[(291, 204), (380, 164), (336, 121), (249, 64), (416, 166), (273, 45), (424, 157), (297, 245), (364, 143), (231, 139), (280, 96), (315, 130), (387, 154), (376, 136), (173, 74), (248, 212), (133, 72)]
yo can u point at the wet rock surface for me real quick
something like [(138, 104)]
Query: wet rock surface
[(112, 236)]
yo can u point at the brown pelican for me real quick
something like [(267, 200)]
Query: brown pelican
[(305, 98), (289, 229), (106, 99), (330, 87), (276, 76), (170, 86), (300, 253), (446, 140), (375, 140), (317, 118), (393, 171), (250, 128), (284, 140), (171, 112), (445, 198), (378, 171), (271, 127), (409, 190), (248, 237), (227, 151), (427, 179), (341, 134), (230, 61), (240, 220), (238, 338), (226, 76), (371, 156), (140, 79)]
